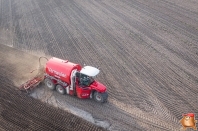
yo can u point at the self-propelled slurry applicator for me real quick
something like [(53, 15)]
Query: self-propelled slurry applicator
[(69, 78)]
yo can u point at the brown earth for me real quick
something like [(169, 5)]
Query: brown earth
[(20, 112), (147, 52)]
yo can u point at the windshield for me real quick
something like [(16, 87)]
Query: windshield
[(91, 79), (85, 80)]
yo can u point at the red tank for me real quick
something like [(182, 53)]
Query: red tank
[(71, 78), (61, 69)]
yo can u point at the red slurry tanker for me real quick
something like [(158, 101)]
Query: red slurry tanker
[(70, 78)]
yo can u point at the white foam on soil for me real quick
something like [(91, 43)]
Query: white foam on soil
[(85, 115), (74, 110)]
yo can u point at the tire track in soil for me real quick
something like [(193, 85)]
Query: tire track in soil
[(108, 8), (98, 29), (137, 98)]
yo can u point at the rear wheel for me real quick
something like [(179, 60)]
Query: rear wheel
[(60, 89), (49, 83), (100, 97)]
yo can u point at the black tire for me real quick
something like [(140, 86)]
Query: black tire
[(49, 84), (100, 97), (60, 89)]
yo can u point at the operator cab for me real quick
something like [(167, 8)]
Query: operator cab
[(86, 75)]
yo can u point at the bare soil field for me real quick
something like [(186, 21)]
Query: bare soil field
[(18, 111), (147, 52)]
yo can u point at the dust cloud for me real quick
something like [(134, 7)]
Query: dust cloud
[(21, 66)]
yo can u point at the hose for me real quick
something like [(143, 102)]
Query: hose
[(40, 68), (40, 60)]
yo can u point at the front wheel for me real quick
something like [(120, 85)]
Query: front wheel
[(100, 97)]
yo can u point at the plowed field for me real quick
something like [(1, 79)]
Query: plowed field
[(21, 112), (147, 52)]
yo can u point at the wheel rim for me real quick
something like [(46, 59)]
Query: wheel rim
[(98, 97), (60, 90), (49, 84)]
